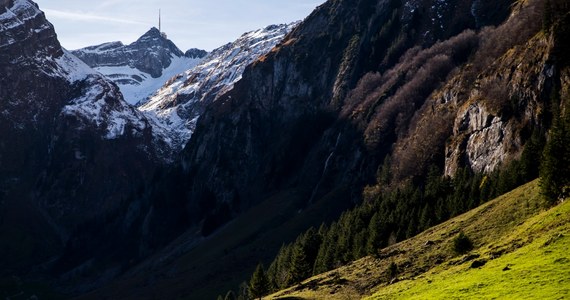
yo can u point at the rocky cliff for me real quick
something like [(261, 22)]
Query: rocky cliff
[(337, 95)]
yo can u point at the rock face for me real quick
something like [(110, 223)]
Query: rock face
[(502, 109), (299, 119), (141, 67), (195, 53), (178, 104)]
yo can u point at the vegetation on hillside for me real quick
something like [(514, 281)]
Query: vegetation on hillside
[(537, 268), (386, 218), (518, 249), (390, 214)]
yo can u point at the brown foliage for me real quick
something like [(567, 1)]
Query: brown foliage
[(380, 103)]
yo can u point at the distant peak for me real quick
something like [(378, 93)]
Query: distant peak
[(153, 32)]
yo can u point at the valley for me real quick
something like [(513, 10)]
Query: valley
[(342, 156)]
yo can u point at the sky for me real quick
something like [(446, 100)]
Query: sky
[(188, 23)]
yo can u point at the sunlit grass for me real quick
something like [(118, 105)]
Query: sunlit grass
[(538, 270), (522, 240)]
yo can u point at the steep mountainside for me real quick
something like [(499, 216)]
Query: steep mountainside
[(141, 67), (72, 149), (178, 104), (323, 109), (360, 93)]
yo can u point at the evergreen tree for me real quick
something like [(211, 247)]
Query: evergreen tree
[(555, 167), (243, 291), (325, 257), (385, 175), (301, 268), (259, 284), (279, 270), (230, 296), (547, 16), (375, 234)]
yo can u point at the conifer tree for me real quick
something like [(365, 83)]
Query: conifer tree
[(230, 296), (375, 229), (300, 266), (258, 285), (555, 167)]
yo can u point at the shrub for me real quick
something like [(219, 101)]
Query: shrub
[(462, 244), (393, 270)]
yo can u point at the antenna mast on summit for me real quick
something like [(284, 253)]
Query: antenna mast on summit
[(160, 25)]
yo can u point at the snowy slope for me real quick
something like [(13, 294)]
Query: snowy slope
[(139, 69), (178, 104), (100, 102), (137, 85)]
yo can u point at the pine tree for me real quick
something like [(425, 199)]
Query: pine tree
[(555, 167), (547, 16), (325, 260), (243, 291), (301, 268), (230, 296), (278, 272), (375, 235), (258, 285)]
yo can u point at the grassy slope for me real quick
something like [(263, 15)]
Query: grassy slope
[(513, 230)]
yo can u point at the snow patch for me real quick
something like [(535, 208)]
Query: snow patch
[(20, 12), (72, 68), (101, 105), (136, 86)]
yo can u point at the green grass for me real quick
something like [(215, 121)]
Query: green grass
[(538, 270), (517, 230)]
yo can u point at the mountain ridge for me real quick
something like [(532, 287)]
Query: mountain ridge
[(178, 104), (141, 67)]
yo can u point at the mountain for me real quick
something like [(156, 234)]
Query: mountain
[(73, 176), (72, 149), (141, 67), (177, 105), (371, 120), (364, 101)]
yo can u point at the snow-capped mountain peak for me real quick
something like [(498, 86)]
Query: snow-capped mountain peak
[(141, 67), (178, 104)]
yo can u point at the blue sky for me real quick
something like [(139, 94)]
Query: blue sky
[(188, 23)]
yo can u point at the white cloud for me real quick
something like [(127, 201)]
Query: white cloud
[(188, 23), (87, 17)]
